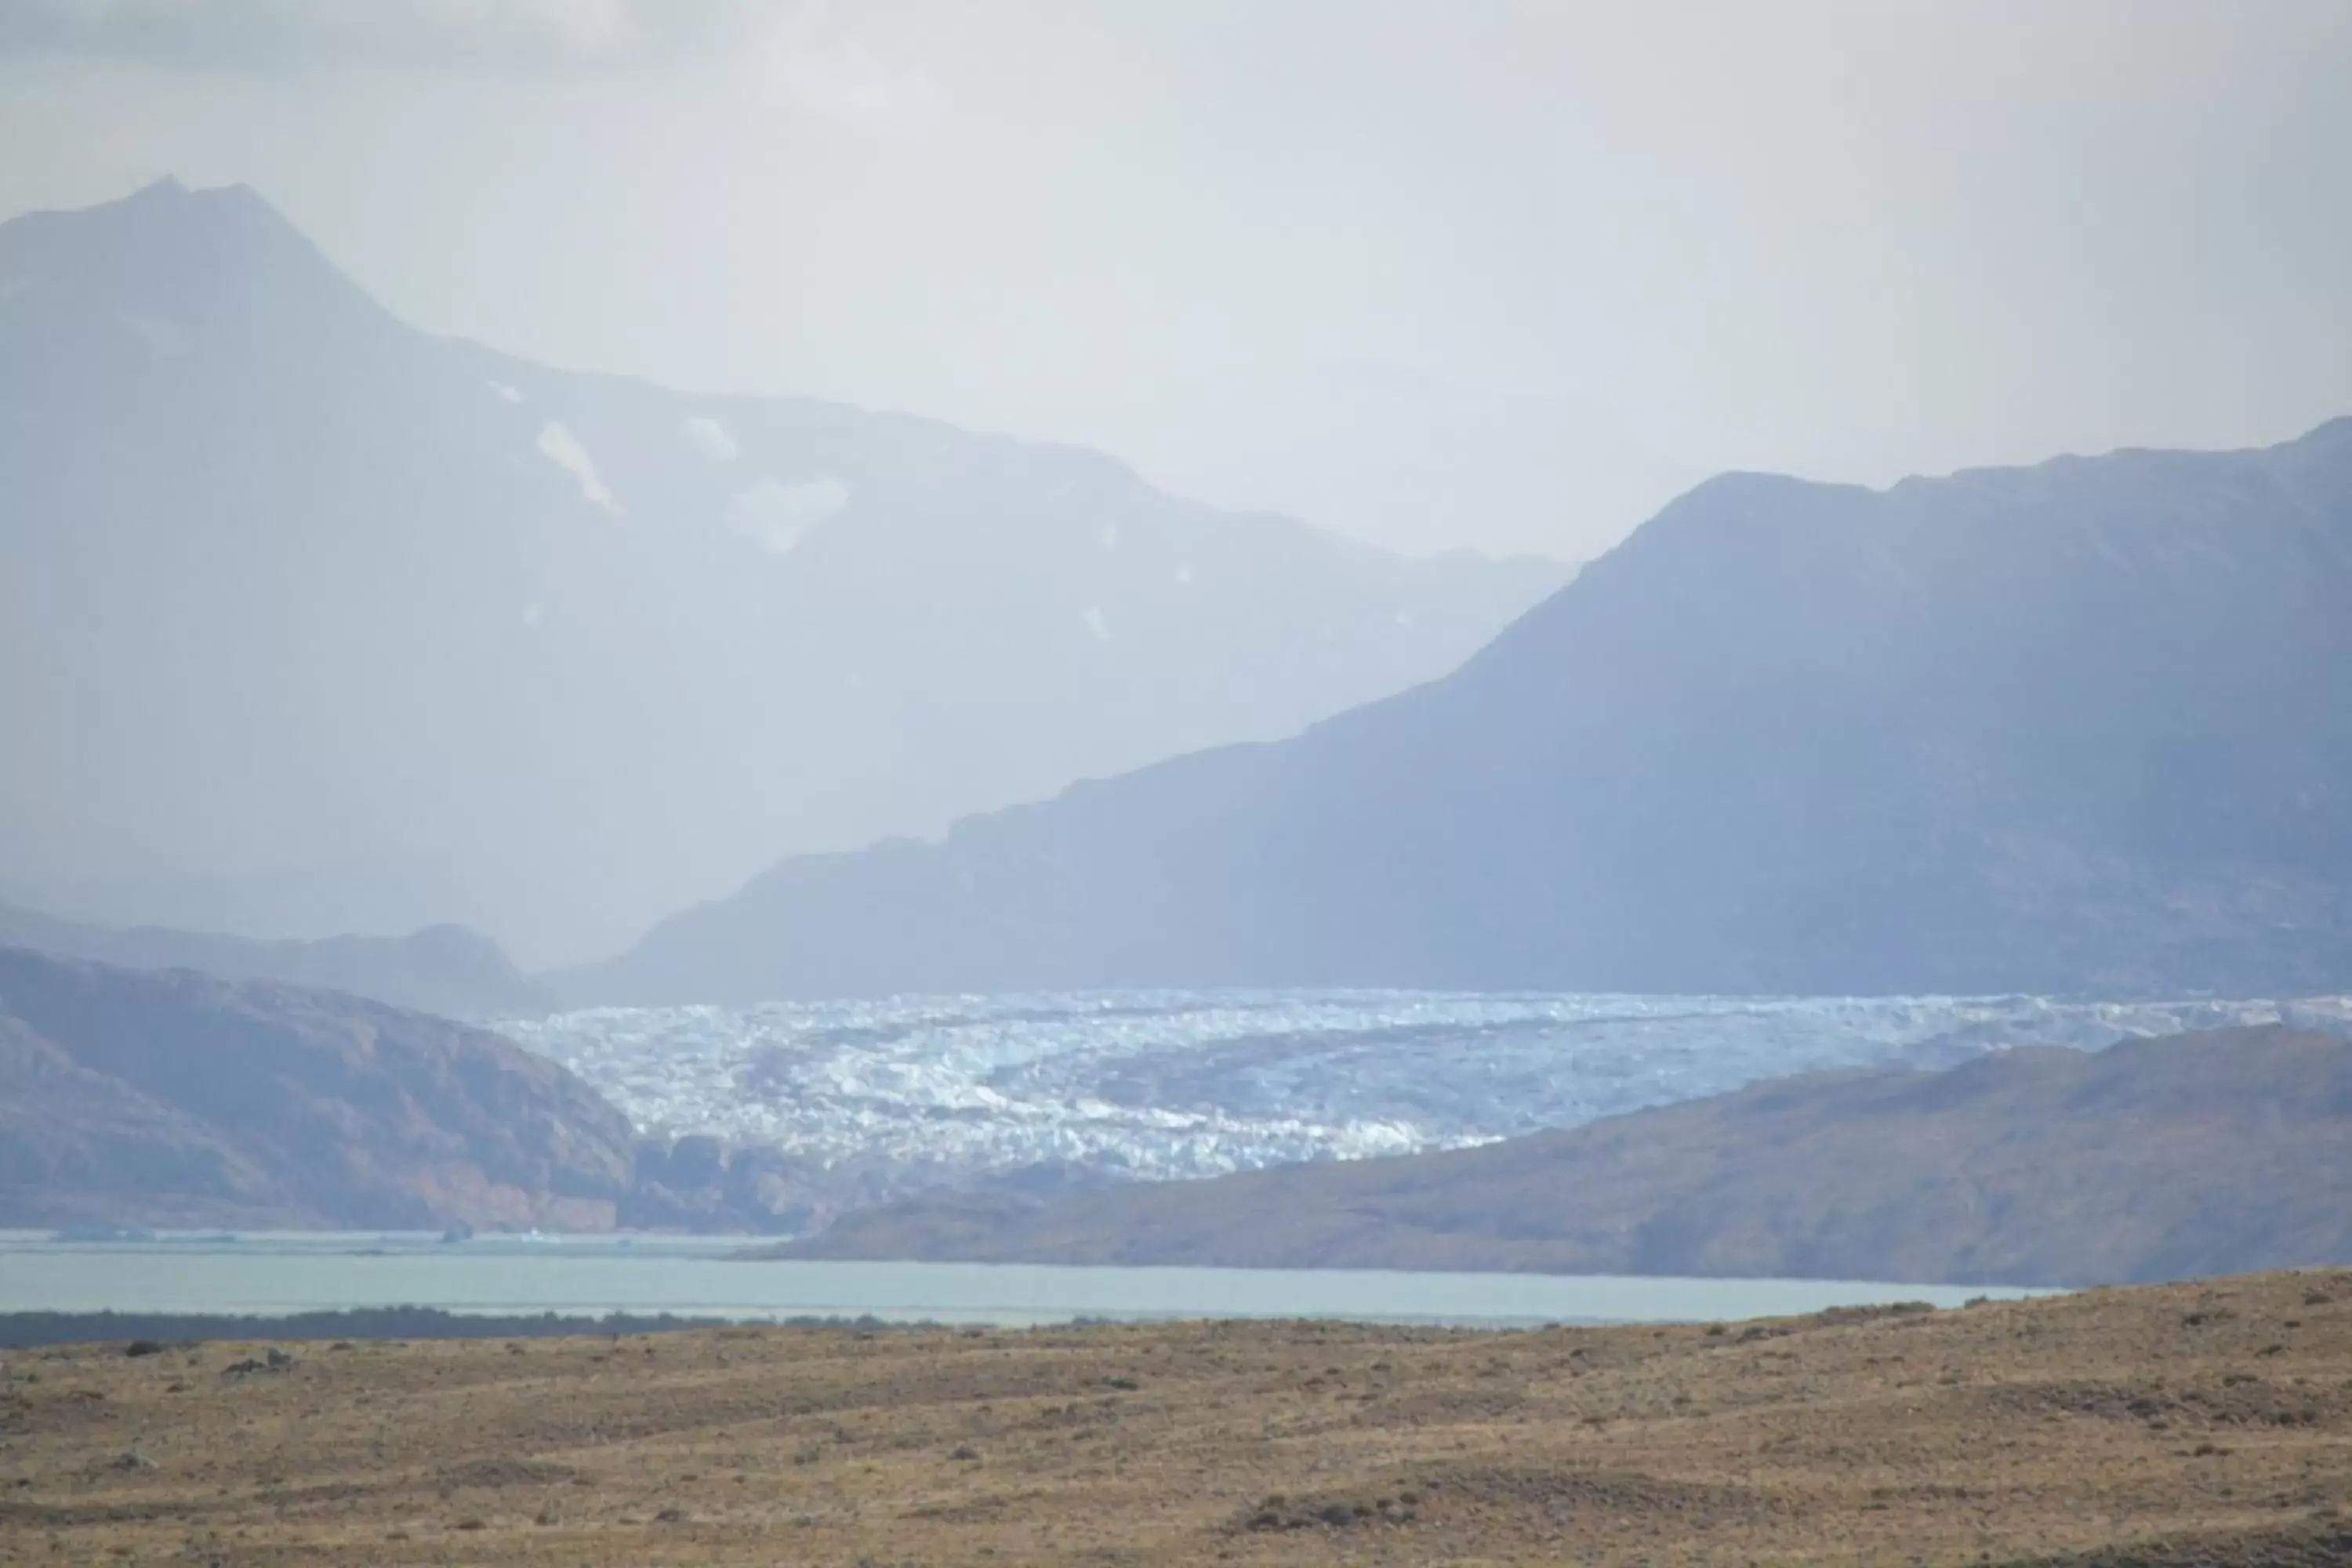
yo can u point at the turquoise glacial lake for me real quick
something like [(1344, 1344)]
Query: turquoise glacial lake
[(279, 1273)]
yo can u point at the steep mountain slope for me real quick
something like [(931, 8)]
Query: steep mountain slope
[(2080, 728), (177, 1099), (311, 623), (447, 970), (2153, 1160)]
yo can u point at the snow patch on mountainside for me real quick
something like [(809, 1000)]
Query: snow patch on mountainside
[(709, 438), (777, 516), (560, 447)]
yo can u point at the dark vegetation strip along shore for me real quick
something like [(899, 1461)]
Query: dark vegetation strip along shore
[(20, 1331)]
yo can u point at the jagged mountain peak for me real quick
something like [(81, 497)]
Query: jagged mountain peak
[(181, 258), (164, 207)]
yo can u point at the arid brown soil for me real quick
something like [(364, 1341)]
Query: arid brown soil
[(2207, 1424)]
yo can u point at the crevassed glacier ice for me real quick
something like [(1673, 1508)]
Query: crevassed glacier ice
[(1157, 1085)]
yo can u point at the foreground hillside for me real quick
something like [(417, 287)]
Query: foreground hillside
[(2207, 1424), (2157, 1159), (2083, 728), (311, 622), (171, 1098)]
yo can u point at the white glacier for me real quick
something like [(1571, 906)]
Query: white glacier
[(1157, 1085)]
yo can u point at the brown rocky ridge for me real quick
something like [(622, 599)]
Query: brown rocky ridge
[(170, 1097), (2223, 1151)]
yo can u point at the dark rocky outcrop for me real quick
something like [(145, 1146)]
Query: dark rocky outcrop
[(2213, 1153)]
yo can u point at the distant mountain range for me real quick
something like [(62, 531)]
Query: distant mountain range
[(448, 969), (313, 622), (2083, 728), (2214, 1153)]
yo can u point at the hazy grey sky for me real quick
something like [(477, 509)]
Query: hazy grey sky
[(1490, 274)]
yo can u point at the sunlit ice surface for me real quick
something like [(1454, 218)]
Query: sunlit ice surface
[(1159, 1085)]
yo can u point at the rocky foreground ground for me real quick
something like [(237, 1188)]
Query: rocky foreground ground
[(2201, 1424)]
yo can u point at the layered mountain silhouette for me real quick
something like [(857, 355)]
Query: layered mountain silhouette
[(170, 1097), (313, 622), (447, 970), (2079, 728)]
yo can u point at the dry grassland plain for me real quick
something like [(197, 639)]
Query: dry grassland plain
[(2202, 1423)]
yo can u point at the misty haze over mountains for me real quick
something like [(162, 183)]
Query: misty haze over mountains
[(2080, 728), (1396, 781), (312, 623), (319, 625), (1010, 832)]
